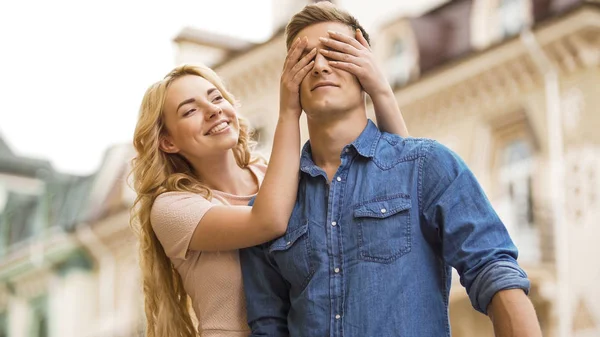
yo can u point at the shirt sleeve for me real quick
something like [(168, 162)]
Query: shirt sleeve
[(174, 217), (267, 292), (472, 237)]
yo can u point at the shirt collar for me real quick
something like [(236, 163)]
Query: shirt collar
[(365, 145), (367, 141)]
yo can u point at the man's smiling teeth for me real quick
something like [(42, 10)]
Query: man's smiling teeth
[(219, 127)]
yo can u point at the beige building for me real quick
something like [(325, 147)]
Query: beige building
[(67, 256), (511, 85)]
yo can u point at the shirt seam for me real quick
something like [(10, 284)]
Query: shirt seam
[(422, 162)]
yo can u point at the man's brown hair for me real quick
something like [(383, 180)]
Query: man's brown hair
[(323, 11)]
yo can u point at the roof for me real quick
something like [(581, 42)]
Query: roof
[(444, 33), (23, 166), (4, 149), (212, 39), (69, 196), (62, 203), (240, 53)]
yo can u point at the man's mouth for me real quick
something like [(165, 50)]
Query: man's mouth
[(323, 84)]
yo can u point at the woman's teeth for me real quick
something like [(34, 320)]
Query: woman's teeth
[(218, 127)]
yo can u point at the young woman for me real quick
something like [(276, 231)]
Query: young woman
[(194, 174)]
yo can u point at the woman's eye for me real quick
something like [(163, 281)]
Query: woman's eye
[(218, 98), (187, 113)]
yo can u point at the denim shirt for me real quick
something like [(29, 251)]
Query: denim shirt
[(370, 253)]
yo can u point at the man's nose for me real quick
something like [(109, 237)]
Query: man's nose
[(321, 65)]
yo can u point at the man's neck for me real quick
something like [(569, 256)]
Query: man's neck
[(222, 173), (329, 137)]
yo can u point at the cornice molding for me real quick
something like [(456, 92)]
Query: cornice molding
[(501, 73)]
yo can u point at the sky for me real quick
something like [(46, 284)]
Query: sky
[(72, 73)]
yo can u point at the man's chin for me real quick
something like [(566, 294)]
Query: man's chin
[(324, 111)]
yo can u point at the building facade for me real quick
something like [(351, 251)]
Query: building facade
[(67, 256)]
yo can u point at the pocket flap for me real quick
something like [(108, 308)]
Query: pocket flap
[(288, 240), (383, 208)]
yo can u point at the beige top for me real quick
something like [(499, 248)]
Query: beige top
[(213, 280)]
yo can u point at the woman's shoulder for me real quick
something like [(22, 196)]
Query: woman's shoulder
[(175, 197), (175, 204), (174, 217), (260, 165)]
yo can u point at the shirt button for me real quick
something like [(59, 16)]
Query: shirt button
[(339, 179), (288, 243), (383, 210), (338, 316), (334, 224), (336, 270), (347, 150)]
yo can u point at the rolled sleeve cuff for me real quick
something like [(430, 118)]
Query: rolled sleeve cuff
[(496, 276)]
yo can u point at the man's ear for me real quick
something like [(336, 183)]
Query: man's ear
[(167, 145)]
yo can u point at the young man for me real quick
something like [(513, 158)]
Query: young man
[(379, 220)]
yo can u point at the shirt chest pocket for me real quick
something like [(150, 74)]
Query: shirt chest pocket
[(384, 228), (292, 253)]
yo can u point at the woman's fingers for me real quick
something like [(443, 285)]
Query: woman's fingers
[(339, 46), (303, 61), (294, 53), (337, 56), (302, 73), (349, 67), (343, 39), (360, 38)]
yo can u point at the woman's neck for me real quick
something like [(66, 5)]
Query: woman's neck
[(222, 173)]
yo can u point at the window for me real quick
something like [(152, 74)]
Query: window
[(495, 20), (20, 215), (400, 62), (516, 179), (515, 164), (39, 318), (3, 233), (513, 16), (3, 325)]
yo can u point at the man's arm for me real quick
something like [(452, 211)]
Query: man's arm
[(267, 293), (512, 314), (472, 239)]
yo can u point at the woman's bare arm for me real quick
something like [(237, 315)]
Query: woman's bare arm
[(233, 227)]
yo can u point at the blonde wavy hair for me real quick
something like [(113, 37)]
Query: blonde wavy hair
[(167, 305)]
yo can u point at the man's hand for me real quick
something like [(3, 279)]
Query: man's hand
[(355, 56), (294, 71)]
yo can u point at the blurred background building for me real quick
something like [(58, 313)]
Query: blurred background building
[(67, 257), (513, 86)]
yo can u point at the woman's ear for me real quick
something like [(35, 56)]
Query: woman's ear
[(166, 144)]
